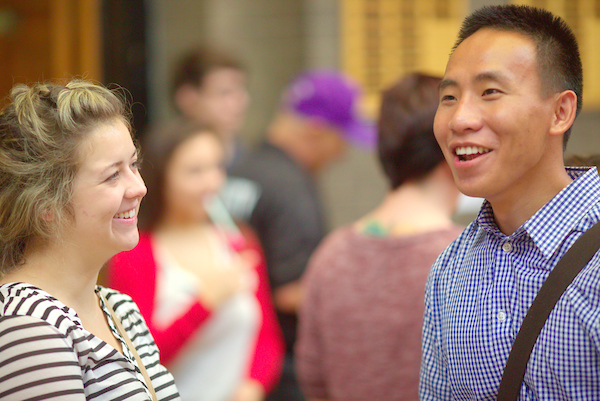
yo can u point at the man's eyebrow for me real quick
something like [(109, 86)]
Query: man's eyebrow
[(495, 76), (444, 83)]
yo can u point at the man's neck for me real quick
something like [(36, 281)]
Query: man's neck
[(514, 209), (288, 132)]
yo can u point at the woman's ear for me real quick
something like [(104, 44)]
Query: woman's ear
[(47, 215), (565, 110)]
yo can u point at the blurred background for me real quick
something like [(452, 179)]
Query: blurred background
[(134, 43)]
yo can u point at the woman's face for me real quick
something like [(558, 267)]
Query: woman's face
[(195, 172), (107, 192)]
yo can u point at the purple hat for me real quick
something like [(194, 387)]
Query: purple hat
[(333, 97)]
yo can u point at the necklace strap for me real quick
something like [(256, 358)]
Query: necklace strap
[(131, 347)]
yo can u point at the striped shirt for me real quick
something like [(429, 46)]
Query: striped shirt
[(46, 354), (479, 291)]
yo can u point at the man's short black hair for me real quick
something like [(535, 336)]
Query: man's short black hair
[(559, 63)]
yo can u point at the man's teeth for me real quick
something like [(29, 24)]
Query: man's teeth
[(127, 215), (470, 150)]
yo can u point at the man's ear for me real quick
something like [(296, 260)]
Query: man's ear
[(185, 98), (565, 110)]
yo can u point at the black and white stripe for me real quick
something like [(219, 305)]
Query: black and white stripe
[(46, 354)]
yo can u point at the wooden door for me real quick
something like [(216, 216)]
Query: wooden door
[(48, 40)]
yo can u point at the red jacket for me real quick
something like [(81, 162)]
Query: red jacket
[(134, 273)]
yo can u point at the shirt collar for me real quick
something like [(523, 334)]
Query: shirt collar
[(549, 226)]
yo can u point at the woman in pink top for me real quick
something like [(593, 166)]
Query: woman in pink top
[(360, 324), (201, 287)]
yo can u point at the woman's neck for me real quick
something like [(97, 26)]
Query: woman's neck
[(408, 210), (66, 276)]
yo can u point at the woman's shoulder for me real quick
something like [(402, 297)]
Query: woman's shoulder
[(32, 305), (121, 303), (131, 318)]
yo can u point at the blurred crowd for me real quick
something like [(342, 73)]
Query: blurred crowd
[(236, 281), (221, 273)]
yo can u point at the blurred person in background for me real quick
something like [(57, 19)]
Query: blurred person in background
[(583, 160), (70, 192), (318, 115), (203, 292), (360, 323), (209, 86)]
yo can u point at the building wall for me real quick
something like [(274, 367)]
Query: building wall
[(278, 39)]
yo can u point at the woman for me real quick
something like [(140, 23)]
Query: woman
[(70, 192), (197, 288), (360, 324)]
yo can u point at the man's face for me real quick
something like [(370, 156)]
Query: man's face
[(492, 122), (222, 100)]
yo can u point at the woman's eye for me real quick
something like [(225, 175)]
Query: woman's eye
[(113, 176), (135, 166), (446, 98)]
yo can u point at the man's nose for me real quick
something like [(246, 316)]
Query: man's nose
[(466, 116)]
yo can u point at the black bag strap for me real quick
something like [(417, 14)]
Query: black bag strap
[(567, 268)]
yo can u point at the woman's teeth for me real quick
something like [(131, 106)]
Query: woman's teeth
[(127, 215)]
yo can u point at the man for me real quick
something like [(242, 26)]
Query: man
[(209, 86), (511, 91), (318, 114)]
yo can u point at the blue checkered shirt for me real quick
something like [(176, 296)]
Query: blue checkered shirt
[(481, 287)]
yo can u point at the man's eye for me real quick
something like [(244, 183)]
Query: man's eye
[(446, 98), (490, 92)]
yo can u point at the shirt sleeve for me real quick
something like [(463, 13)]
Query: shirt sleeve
[(309, 351), (38, 362), (134, 273), (268, 354), (433, 383)]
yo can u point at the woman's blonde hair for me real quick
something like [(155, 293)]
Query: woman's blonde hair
[(40, 133)]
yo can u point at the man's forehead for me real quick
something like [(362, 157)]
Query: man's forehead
[(483, 76), (488, 54)]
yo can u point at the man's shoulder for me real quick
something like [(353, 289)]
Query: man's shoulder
[(458, 248), (266, 164), (266, 176)]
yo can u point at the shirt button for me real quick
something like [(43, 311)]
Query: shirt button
[(501, 316), (507, 247)]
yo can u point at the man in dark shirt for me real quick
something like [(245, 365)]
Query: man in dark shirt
[(274, 188)]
